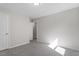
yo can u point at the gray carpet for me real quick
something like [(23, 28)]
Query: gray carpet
[(36, 49)]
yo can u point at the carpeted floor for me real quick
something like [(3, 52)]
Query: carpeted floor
[(36, 49)]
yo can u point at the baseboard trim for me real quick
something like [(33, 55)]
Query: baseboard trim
[(19, 44)]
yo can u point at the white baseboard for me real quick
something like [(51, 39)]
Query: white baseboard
[(23, 43)]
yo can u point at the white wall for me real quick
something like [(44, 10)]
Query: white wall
[(63, 25), (21, 30)]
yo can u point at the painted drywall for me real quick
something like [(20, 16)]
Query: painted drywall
[(63, 25), (21, 30)]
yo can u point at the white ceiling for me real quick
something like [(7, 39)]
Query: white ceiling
[(29, 10)]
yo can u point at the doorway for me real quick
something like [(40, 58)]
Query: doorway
[(35, 31)]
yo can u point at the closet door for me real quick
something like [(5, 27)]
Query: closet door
[(3, 31)]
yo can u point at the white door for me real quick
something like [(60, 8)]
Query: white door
[(3, 31)]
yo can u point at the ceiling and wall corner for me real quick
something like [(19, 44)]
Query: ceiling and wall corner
[(33, 11)]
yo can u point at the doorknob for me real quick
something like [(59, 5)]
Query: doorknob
[(6, 33)]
